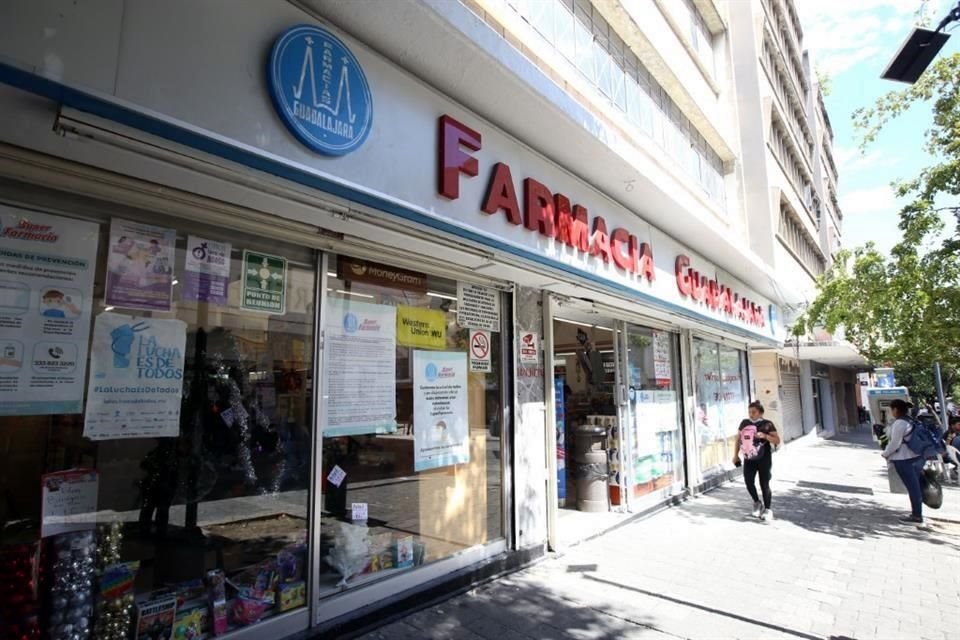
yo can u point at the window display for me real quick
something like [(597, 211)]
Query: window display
[(721, 388), (411, 428), (656, 443), (172, 497)]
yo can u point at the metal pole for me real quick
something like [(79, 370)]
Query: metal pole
[(940, 396)]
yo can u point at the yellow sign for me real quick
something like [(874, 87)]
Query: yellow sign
[(423, 328)]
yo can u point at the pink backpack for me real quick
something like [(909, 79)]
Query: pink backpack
[(748, 445)]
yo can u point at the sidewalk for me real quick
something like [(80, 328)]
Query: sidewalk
[(835, 564)]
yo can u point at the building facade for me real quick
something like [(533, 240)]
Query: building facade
[(795, 221), (311, 308)]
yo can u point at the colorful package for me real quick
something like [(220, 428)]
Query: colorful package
[(191, 623), (291, 595)]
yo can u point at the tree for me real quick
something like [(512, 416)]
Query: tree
[(904, 309)]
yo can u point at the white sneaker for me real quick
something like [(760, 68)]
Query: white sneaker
[(767, 515), (757, 510)]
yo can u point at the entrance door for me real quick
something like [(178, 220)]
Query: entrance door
[(654, 457), (792, 410)]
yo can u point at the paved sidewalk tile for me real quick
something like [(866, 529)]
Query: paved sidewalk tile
[(835, 564)]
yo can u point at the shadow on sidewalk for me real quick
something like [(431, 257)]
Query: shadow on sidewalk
[(511, 609), (817, 511)]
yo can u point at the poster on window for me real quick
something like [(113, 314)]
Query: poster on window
[(441, 432), (206, 272), (136, 378), (47, 266), (421, 328), (140, 266), (360, 383), (662, 365)]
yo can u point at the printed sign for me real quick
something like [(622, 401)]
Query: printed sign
[(320, 91), (423, 328), (357, 270), (264, 282), (478, 307), (69, 501), (480, 352), (206, 273), (440, 429), (136, 378), (140, 266), (662, 360), (360, 386), (336, 476), (47, 266), (529, 348)]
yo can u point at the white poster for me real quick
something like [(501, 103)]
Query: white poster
[(360, 380), (69, 501), (441, 434), (206, 271), (478, 307), (136, 378), (529, 348), (47, 267), (480, 352)]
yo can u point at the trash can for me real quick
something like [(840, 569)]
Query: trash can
[(590, 468)]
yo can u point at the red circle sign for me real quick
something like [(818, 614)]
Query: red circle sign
[(479, 346)]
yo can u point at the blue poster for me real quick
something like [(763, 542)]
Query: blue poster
[(441, 433), (559, 382), (136, 378)]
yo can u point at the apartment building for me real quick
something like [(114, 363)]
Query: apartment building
[(790, 181), (334, 304)]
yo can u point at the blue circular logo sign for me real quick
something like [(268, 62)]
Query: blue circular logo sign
[(350, 323), (431, 372), (320, 90)]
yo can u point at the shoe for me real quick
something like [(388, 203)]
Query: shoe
[(767, 515), (757, 510), (911, 519)]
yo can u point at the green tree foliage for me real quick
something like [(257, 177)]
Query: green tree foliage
[(904, 309)]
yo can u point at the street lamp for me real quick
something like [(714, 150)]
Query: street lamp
[(919, 50)]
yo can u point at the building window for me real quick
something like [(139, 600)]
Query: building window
[(794, 236), (720, 373)]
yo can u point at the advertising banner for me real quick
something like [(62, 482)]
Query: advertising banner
[(206, 273), (441, 431), (422, 328), (136, 378), (140, 266), (360, 379), (47, 266)]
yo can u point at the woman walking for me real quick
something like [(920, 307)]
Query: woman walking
[(758, 437)]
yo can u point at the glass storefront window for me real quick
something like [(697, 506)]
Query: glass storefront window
[(656, 443), (184, 473), (721, 390), (412, 431)]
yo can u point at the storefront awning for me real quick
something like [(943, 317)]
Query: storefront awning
[(833, 353)]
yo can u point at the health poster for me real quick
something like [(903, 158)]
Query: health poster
[(69, 501), (264, 283), (136, 378), (441, 434), (140, 266), (360, 383), (423, 328), (206, 272), (47, 267)]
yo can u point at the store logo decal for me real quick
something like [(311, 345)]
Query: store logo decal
[(153, 360), (23, 229), (320, 90), (350, 323)]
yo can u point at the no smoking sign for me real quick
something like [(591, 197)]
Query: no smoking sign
[(480, 351)]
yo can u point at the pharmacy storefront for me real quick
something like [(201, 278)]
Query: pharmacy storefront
[(278, 345)]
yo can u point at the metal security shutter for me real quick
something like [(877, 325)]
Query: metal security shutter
[(792, 412)]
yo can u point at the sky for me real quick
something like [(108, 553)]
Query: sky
[(853, 41)]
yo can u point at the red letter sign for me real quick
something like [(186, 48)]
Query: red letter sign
[(501, 195), (539, 207), (453, 161), (683, 278)]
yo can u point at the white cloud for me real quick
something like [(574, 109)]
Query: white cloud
[(851, 160), (871, 200)]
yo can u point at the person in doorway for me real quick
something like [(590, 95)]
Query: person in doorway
[(757, 439), (907, 464)]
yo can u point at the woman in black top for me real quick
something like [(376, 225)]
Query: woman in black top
[(757, 458)]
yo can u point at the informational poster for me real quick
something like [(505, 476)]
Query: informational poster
[(478, 307), (560, 402), (264, 283), (206, 273), (480, 358), (360, 383), (421, 328), (662, 360), (441, 434), (529, 348), (136, 378), (69, 501), (140, 266), (47, 267)]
